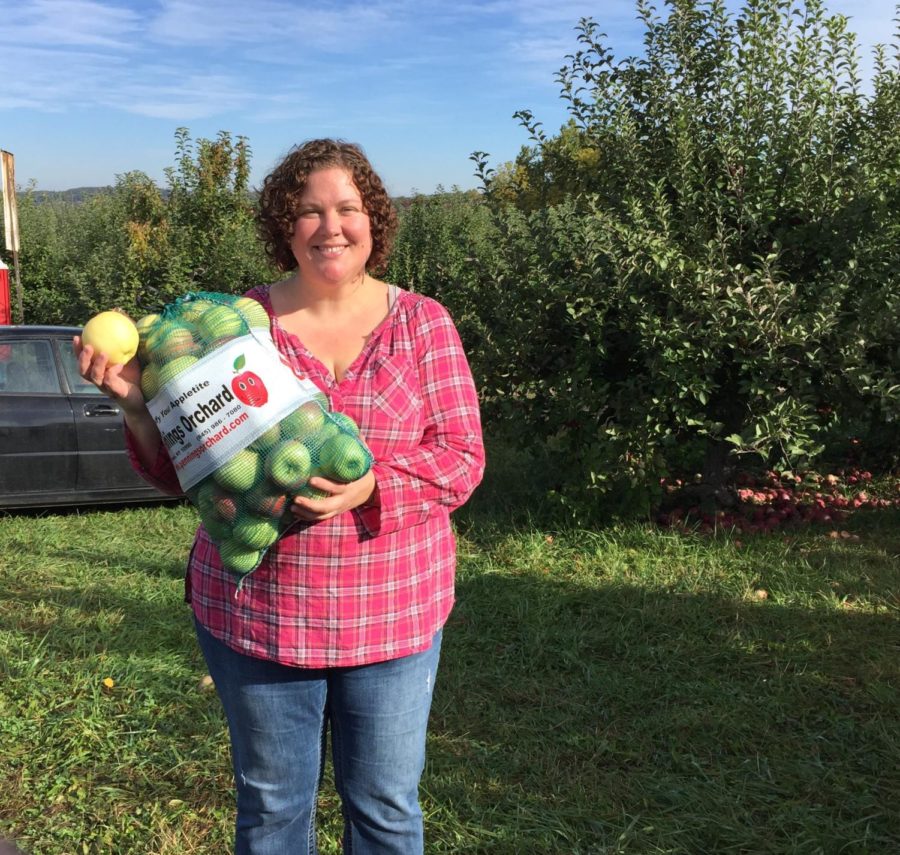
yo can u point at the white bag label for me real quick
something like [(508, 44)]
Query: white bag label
[(223, 402)]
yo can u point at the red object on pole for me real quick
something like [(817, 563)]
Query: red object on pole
[(5, 307)]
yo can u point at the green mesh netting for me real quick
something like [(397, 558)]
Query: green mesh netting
[(244, 503)]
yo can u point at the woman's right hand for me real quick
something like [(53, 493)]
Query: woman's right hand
[(122, 383)]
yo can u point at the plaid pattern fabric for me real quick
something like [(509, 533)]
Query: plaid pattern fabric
[(374, 583)]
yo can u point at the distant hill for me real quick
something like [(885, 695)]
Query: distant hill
[(76, 194), (83, 194)]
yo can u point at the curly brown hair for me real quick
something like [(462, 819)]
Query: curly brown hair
[(282, 188)]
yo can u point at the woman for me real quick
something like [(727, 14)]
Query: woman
[(340, 627)]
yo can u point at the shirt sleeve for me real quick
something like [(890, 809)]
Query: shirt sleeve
[(161, 474), (448, 464)]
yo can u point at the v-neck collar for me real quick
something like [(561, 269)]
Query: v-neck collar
[(350, 373)]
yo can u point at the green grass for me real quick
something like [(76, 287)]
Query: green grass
[(624, 690)]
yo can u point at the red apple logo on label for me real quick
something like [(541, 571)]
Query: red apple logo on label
[(247, 386)]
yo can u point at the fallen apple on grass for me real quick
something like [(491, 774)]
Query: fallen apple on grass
[(778, 501)]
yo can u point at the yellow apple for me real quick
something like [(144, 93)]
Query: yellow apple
[(112, 333)]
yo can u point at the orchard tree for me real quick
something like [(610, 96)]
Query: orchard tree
[(74, 257), (444, 239), (137, 247), (704, 262), (121, 250), (43, 227), (210, 218)]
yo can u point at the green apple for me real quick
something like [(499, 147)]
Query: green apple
[(204, 498), (216, 528), (240, 472), (202, 494), (288, 464), (145, 327), (150, 385), (316, 441), (146, 323), (254, 313), (255, 532), (344, 458), (220, 322), (150, 339), (266, 440), (312, 493), (172, 343), (237, 557), (177, 366), (191, 310), (306, 420), (266, 501), (345, 423)]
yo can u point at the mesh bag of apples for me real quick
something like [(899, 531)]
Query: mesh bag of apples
[(245, 434)]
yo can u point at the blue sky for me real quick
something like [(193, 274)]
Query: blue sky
[(94, 88)]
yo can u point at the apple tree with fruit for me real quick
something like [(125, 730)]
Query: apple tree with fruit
[(702, 266)]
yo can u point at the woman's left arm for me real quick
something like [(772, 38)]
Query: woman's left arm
[(448, 464)]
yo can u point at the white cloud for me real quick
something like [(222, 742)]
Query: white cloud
[(56, 81), (516, 13), (285, 29), (52, 80), (83, 23), (290, 105), (287, 60), (165, 93)]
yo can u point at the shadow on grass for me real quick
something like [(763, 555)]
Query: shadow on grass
[(513, 492), (582, 720), (82, 614), (575, 719), (171, 564)]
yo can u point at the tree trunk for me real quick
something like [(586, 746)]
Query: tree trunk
[(715, 464)]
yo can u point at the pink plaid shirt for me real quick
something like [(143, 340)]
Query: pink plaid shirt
[(374, 583)]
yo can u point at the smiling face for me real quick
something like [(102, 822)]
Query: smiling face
[(332, 237)]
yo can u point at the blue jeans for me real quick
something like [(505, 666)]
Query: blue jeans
[(278, 717)]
